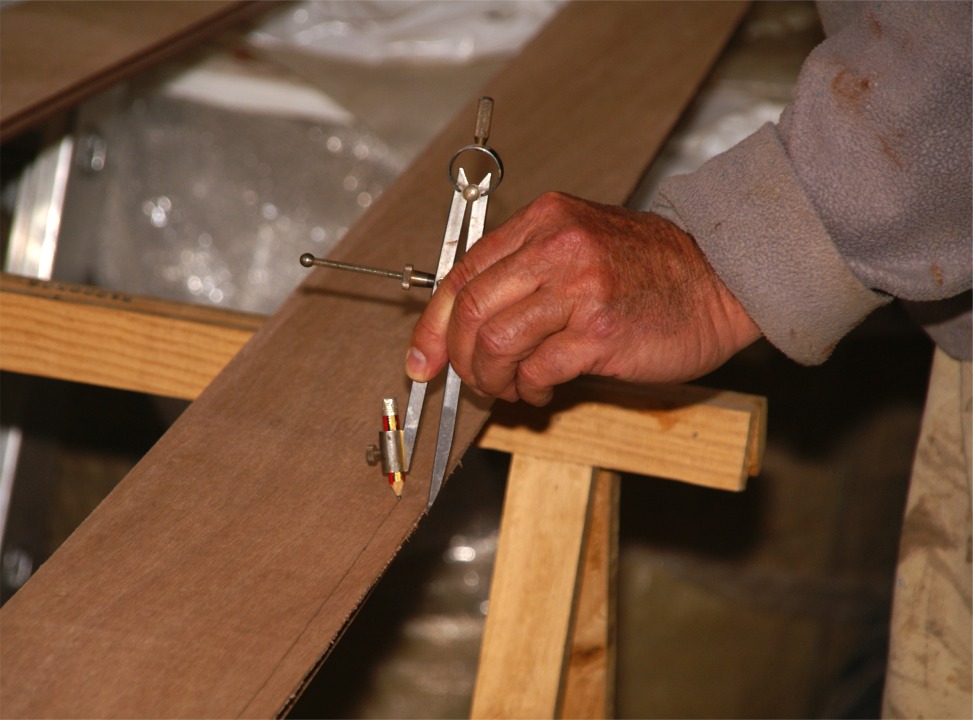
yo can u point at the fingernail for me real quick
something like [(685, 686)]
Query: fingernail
[(415, 365)]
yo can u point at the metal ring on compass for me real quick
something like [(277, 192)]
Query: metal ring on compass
[(489, 152)]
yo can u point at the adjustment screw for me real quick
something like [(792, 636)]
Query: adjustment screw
[(373, 456)]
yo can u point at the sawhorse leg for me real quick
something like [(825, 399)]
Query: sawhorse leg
[(548, 647), (549, 643)]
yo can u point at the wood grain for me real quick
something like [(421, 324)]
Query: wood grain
[(224, 567), (713, 438), (84, 334), (589, 684), (526, 639), (55, 54)]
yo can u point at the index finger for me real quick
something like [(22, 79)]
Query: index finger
[(427, 354)]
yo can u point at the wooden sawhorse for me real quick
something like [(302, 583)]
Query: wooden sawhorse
[(548, 647), (549, 643)]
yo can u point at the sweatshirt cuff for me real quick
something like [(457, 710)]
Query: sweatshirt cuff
[(758, 229)]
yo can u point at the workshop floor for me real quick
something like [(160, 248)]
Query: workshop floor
[(769, 603)]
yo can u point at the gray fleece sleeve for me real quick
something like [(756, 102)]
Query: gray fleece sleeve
[(861, 193)]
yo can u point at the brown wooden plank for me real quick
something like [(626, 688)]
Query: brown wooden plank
[(54, 54), (84, 334), (225, 565)]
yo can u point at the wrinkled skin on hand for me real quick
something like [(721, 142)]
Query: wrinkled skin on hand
[(568, 287)]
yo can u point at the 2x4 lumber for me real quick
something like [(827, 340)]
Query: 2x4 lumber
[(85, 334), (55, 54), (713, 438), (526, 640), (589, 685), (130, 342), (225, 565)]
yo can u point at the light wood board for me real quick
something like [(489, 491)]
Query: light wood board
[(589, 687), (713, 438), (226, 564), (526, 640), (65, 331), (85, 334)]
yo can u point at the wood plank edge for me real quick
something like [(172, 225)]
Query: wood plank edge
[(32, 115), (78, 294)]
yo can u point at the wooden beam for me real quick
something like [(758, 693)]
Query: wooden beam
[(130, 342), (553, 581), (224, 567), (539, 550), (707, 437), (85, 334), (648, 430), (589, 684), (53, 55)]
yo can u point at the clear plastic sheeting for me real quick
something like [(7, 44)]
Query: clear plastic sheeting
[(213, 179), (403, 68), (413, 650), (749, 87), (382, 31), (208, 205)]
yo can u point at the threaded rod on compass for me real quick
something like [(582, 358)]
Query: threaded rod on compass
[(409, 276)]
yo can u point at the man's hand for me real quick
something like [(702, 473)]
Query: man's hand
[(568, 287)]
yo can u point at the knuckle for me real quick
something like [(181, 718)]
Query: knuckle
[(534, 393), (564, 230), (551, 201), (532, 377), (556, 209), (468, 308), (456, 279), (565, 251), (574, 242), (495, 340), (602, 324)]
